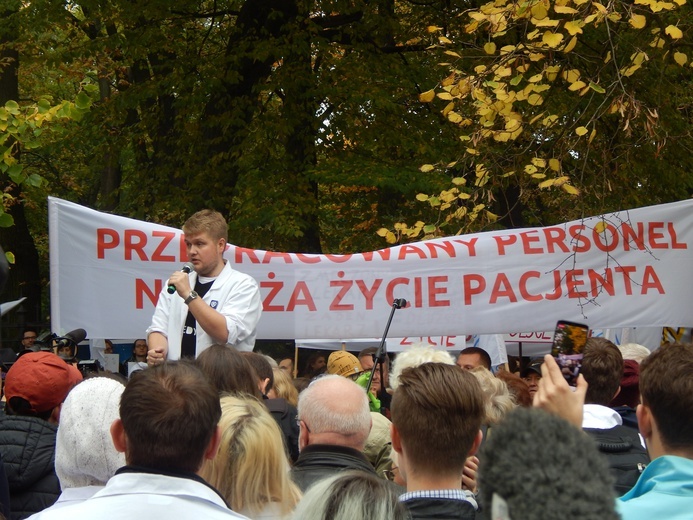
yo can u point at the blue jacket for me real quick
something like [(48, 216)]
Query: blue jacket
[(664, 490)]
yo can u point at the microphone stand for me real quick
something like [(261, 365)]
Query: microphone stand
[(380, 354)]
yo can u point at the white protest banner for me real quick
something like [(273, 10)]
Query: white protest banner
[(625, 269)]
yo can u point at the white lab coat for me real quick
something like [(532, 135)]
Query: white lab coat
[(149, 496), (235, 295)]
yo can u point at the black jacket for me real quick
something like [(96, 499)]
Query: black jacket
[(27, 445), (286, 416), (439, 509), (319, 461)]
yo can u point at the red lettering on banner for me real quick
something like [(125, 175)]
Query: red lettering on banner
[(418, 294), (134, 241), (307, 300), (142, 290), (106, 239), (675, 244), (383, 253), (339, 259), (390, 288), (158, 255), (629, 234), (308, 259), (528, 238), (250, 253), (650, 280), (413, 250), (582, 244), (523, 286), (572, 282), (469, 244), (555, 237), (269, 255), (369, 294), (434, 290), (502, 241), (183, 248), (473, 284), (345, 285), (274, 288), (627, 271), (601, 283), (655, 234), (446, 246), (606, 246), (502, 289)]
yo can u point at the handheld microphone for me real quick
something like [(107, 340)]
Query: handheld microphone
[(187, 268), (73, 337), (398, 303)]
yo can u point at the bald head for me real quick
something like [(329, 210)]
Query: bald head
[(334, 410)]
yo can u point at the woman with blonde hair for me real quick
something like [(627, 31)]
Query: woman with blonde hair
[(251, 469), (283, 387)]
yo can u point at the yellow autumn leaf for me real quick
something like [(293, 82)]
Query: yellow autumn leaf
[(637, 21), (581, 130), (530, 168), (444, 40), (426, 168), (390, 238), (539, 162), (458, 181), (573, 28), (453, 54), (454, 117), (546, 183), (680, 58), (571, 45), (420, 196), (674, 32), (600, 227), (592, 135), (535, 99), (571, 75), (539, 11), (572, 190), (433, 28), (577, 85), (428, 96), (599, 7), (563, 9), (554, 164), (552, 39), (490, 48)]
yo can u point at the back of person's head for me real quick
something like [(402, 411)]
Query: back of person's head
[(251, 469), (415, 356), (284, 386), (437, 410), (517, 387), (262, 368), (630, 385), (544, 468), (169, 414), (37, 383), (634, 351), (84, 452), (351, 495), (228, 371), (337, 409), (602, 368), (498, 398), (666, 387), (483, 355), (207, 221)]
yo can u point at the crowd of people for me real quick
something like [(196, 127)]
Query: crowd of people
[(230, 435), (210, 429)]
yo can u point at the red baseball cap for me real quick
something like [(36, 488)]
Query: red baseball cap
[(42, 378)]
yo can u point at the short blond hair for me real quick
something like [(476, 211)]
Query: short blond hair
[(415, 356), (498, 398), (284, 387), (251, 468), (207, 221)]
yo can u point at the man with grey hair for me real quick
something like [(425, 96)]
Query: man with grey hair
[(334, 422)]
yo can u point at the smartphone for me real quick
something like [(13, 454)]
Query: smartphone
[(569, 340)]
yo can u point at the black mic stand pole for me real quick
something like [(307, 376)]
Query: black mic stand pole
[(380, 354)]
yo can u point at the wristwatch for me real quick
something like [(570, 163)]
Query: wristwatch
[(190, 298)]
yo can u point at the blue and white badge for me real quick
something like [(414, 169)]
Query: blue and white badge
[(214, 304)]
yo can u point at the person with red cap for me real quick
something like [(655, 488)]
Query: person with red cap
[(35, 388)]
